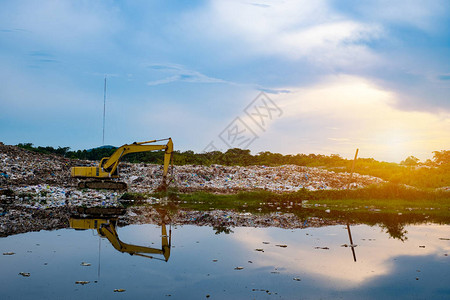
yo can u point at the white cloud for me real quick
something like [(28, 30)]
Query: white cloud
[(293, 29), (179, 73)]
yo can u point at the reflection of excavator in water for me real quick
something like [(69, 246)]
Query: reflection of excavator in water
[(106, 228), (101, 176)]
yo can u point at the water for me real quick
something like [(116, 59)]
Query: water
[(203, 263)]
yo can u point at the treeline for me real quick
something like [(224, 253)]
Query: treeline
[(231, 157), (433, 173)]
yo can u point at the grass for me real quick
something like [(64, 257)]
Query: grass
[(391, 206), (386, 199)]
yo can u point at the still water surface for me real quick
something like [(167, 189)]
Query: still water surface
[(202, 264)]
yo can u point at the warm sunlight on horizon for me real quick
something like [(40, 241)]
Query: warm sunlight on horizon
[(363, 115)]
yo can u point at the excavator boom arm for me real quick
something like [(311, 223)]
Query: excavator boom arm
[(106, 228)]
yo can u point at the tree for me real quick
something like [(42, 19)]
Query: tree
[(441, 157), (410, 161)]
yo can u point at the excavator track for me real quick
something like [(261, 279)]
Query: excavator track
[(102, 185)]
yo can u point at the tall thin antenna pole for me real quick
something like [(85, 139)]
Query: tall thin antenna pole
[(104, 112), (353, 168)]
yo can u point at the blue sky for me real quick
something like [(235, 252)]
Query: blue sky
[(339, 75)]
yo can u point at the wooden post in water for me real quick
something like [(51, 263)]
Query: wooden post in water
[(351, 241), (353, 168)]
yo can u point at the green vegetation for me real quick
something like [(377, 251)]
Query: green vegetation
[(433, 173), (390, 206), (387, 198)]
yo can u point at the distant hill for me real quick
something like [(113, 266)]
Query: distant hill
[(102, 147)]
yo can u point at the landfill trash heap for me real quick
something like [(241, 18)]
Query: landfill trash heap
[(48, 176), (22, 167), (229, 179)]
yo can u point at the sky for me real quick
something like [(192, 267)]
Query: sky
[(323, 77)]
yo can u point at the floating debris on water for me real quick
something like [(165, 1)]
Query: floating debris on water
[(297, 279), (323, 248), (281, 246), (82, 282), (9, 253), (239, 268), (260, 250), (85, 264), (24, 274), (119, 290)]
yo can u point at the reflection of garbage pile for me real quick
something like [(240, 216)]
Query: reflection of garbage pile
[(217, 178), (224, 220), (20, 219)]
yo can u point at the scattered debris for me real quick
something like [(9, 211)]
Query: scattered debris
[(297, 279), (282, 246), (260, 250), (239, 268), (85, 264), (119, 290), (9, 253), (444, 239), (82, 282), (24, 274), (324, 248)]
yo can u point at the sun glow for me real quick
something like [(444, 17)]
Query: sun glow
[(367, 118)]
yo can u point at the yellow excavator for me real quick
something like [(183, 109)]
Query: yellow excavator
[(101, 176), (107, 228)]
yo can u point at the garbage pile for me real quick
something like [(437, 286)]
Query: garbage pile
[(40, 174), (21, 167), (46, 196), (228, 179)]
